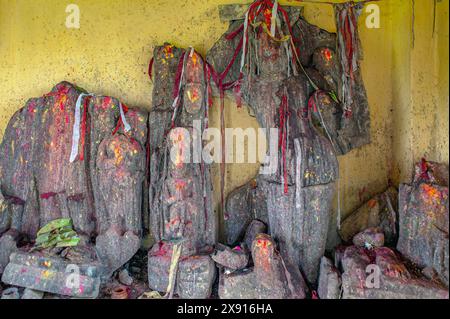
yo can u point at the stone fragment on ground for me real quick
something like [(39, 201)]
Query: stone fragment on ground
[(380, 211), (380, 274), (233, 259), (52, 275), (11, 293), (329, 280), (32, 294), (125, 278)]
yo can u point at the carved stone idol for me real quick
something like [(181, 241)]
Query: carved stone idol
[(269, 278), (120, 163), (296, 195), (180, 194)]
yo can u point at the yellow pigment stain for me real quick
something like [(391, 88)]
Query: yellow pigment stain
[(193, 96), (431, 193), (194, 59), (168, 51), (118, 155)]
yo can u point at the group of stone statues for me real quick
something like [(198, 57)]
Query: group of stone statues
[(133, 172)]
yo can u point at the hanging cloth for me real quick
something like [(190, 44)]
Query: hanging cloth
[(76, 126), (349, 50)]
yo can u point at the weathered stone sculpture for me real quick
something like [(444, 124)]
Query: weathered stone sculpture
[(268, 279), (329, 286), (295, 200), (180, 187), (120, 164), (380, 211), (424, 219), (66, 155)]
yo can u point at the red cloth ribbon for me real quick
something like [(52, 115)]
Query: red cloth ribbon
[(84, 127), (424, 169)]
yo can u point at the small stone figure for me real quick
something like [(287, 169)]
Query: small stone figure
[(424, 218), (232, 259), (268, 279)]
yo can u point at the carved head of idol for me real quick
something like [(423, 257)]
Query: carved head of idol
[(263, 252), (326, 62), (180, 150), (123, 152), (272, 56), (194, 84)]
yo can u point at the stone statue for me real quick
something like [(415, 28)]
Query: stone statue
[(180, 195), (120, 164), (100, 189), (297, 196)]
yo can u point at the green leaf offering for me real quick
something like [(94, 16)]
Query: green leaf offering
[(58, 233), (55, 224), (333, 96)]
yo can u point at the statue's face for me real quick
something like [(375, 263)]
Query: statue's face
[(326, 62), (263, 251), (179, 143), (122, 150), (272, 56), (193, 90), (193, 98)]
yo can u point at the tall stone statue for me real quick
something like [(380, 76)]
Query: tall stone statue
[(180, 185), (276, 75)]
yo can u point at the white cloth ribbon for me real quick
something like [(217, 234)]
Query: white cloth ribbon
[(76, 127), (274, 18), (126, 126), (244, 38), (175, 102)]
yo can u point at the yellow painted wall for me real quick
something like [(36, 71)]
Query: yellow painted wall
[(109, 55), (420, 85)]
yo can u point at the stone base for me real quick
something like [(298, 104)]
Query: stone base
[(52, 275), (195, 276), (244, 284), (239, 285)]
